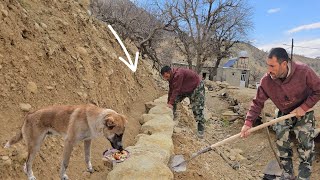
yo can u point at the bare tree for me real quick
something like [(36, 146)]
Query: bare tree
[(259, 60), (132, 23), (255, 74), (232, 28), (207, 29), (204, 29)]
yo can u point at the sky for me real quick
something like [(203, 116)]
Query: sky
[(277, 22)]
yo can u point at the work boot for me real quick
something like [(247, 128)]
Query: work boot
[(200, 132)]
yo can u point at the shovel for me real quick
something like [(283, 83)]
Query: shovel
[(179, 164), (274, 168)]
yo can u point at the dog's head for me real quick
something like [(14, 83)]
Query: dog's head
[(114, 126)]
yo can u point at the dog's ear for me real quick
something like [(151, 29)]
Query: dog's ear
[(109, 122), (124, 119)]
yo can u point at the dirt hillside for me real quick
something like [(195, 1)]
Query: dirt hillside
[(53, 52)]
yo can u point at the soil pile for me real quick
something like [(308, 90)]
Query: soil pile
[(53, 52)]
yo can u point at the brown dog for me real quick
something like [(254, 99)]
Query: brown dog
[(74, 123)]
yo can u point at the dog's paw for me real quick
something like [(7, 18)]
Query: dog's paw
[(64, 177), (32, 178), (7, 145), (25, 168), (90, 170)]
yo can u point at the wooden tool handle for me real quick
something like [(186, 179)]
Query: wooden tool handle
[(256, 128)]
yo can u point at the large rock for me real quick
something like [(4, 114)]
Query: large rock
[(147, 117), (158, 140), (161, 109), (150, 105), (140, 168), (158, 125), (162, 100), (152, 151)]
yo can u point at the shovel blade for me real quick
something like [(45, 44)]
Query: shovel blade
[(178, 164), (273, 169)]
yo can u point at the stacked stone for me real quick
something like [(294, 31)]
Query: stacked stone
[(150, 156)]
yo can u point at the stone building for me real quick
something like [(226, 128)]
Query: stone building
[(235, 72)]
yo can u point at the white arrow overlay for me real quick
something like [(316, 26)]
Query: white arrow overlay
[(132, 66)]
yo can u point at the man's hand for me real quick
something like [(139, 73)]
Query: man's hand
[(299, 112), (244, 131), (170, 106)]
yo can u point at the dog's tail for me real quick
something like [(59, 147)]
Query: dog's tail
[(17, 137), (14, 139)]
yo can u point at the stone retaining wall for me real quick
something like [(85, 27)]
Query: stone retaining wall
[(150, 156)]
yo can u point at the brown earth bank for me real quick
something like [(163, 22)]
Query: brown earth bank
[(52, 53)]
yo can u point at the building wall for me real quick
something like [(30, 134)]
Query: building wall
[(232, 76), (204, 72), (220, 75)]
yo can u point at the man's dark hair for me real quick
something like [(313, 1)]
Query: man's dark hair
[(165, 69), (280, 53)]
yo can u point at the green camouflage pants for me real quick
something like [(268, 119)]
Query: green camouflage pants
[(304, 131), (197, 98)]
